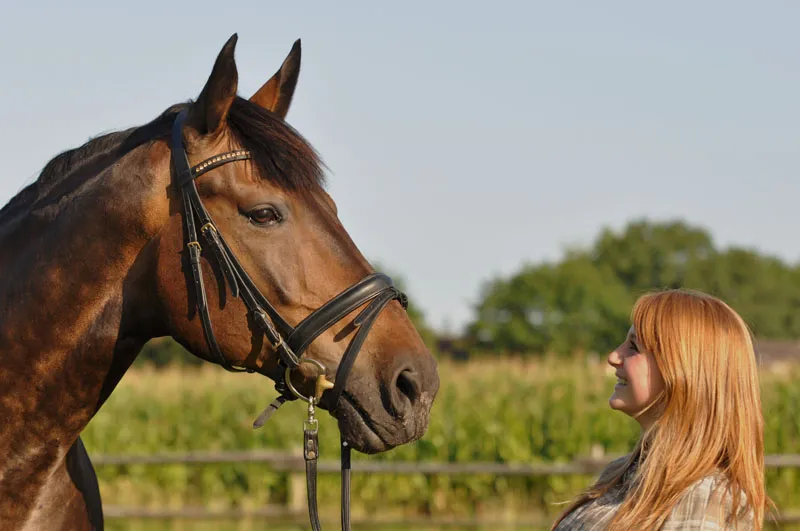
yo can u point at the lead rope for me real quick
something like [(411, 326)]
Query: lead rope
[(311, 454), (345, 486)]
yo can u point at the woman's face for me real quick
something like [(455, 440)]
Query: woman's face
[(639, 382)]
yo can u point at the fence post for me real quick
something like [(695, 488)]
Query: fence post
[(597, 451), (297, 498)]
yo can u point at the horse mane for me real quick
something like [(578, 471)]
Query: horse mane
[(97, 153), (279, 153)]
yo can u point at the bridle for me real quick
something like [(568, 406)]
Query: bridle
[(376, 291)]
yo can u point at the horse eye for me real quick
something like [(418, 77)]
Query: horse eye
[(264, 216)]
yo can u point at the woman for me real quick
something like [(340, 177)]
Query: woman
[(687, 373)]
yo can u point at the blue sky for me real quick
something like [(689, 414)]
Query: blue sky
[(464, 139)]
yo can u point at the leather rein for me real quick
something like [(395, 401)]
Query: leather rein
[(375, 291)]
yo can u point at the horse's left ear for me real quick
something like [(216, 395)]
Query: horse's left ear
[(276, 94)]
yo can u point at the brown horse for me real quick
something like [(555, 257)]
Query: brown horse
[(98, 256)]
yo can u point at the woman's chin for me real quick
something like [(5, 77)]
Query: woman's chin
[(617, 402)]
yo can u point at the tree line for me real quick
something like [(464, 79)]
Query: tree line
[(583, 302)]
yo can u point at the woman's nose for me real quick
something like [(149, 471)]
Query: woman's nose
[(614, 359)]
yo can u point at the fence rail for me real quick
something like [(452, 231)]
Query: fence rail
[(293, 462), (282, 516)]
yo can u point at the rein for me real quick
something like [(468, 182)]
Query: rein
[(375, 291)]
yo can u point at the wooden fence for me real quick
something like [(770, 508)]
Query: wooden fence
[(292, 462)]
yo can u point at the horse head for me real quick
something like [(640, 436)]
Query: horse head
[(289, 284)]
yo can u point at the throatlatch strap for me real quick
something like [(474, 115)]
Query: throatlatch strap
[(269, 411)]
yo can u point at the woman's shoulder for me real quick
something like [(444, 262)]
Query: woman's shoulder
[(708, 504), (612, 468)]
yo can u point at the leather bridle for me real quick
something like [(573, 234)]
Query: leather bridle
[(376, 291)]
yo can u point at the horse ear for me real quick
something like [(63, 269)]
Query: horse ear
[(208, 113), (276, 94)]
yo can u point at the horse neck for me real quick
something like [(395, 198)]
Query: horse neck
[(75, 305)]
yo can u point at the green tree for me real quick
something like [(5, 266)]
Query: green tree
[(559, 308), (647, 255), (763, 289), (164, 351), (585, 300)]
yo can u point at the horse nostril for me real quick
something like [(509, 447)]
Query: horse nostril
[(408, 385)]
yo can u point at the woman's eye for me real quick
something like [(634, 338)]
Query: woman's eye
[(264, 216)]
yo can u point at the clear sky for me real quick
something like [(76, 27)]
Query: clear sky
[(464, 139)]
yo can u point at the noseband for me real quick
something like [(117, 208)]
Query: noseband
[(375, 291)]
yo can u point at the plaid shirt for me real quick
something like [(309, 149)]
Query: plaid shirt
[(699, 509)]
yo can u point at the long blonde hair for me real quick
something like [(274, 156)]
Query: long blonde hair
[(709, 415)]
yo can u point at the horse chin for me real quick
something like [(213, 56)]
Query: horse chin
[(358, 429), (362, 433)]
